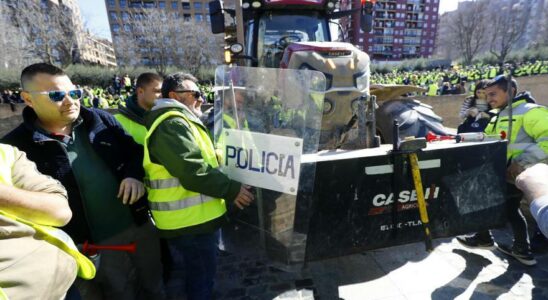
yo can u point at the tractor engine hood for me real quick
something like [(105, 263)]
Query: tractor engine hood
[(346, 69), (342, 63)]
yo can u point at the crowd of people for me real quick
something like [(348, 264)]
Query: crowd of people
[(457, 79), (448, 81), (106, 173)]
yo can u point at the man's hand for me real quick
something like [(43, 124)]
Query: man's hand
[(483, 115), (244, 198), (513, 171), (533, 182), (131, 190)]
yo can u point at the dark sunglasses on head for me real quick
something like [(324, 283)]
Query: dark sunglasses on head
[(58, 96), (195, 94)]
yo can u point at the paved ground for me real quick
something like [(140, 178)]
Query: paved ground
[(403, 272)]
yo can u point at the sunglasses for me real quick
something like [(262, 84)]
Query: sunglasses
[(58, 96), (195, 94)]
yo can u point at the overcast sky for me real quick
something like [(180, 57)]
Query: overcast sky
[(95, 15)]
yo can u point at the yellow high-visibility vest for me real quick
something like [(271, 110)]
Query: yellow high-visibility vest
[(52, 235), (136, 130), (172, 206)]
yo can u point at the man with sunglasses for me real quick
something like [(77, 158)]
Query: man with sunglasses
[(187, 191), (99, 164), (527, 145)]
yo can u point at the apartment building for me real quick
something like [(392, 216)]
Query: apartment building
[(401, 29), (98, 51)]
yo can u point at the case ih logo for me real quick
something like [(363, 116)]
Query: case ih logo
[(383, 203)]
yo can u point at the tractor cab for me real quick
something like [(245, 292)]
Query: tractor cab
[(263, 29), (276, 31)]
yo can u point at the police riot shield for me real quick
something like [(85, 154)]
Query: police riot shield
[(265, 121)]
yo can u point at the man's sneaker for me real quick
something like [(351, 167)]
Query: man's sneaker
[(523, 256), (476, 242)]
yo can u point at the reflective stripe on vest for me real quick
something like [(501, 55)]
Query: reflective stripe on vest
[(182, 203), (519, 140), (52, 235), (172, 206), (136, 130)]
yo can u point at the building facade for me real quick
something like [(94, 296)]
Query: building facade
[(97, 51), (137, 36), (401, 29)]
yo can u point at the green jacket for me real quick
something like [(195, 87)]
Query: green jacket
[(173, 146)]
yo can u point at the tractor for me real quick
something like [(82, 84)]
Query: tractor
[(338, 166), (296, 34)]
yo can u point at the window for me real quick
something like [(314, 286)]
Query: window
[(435, 9), (162, 4), (197, 5), (123, 3), (199, 17), (135, 4), (113, 15), (174, 5), (150, 4), (111, 3), (115, 28), (186, 5), (125, 16), (127, 28), (186, 17)]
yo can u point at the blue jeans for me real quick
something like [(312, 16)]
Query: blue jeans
[(197, 256)]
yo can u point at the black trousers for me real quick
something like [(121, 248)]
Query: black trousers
[(515, 218)]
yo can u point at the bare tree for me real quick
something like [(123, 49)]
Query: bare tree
[(48, 28), (468, 28), (12, 45), (163, 40), (509, 23)]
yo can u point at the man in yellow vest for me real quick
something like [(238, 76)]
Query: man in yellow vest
[(527, 145), (187, 191), (131, 115), (37, 261)]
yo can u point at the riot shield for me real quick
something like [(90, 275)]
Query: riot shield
[(265, 120)]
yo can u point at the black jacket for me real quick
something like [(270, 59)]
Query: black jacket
[(107, 137)]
